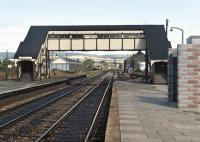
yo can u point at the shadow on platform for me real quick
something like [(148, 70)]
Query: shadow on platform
[(161, 101)]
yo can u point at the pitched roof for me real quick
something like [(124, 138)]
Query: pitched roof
[(138, 55), (60, 60), (158, 43)]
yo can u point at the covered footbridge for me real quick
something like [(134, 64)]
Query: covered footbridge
[(33, 52)]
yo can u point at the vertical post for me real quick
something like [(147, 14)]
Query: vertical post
[(66, 61), (17, 71), (33, 72), (96, 44), (46, 63), (46, 52), (134, 43), (59, 42), (109, 43), (122, 42), (182, 36), (40, 68), (167, 24), (83, 44), (71, 42), (6, 60), (146, 65), (6, 72)]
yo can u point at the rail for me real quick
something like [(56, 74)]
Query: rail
[(11, 116), (97, 113), (82, 101)]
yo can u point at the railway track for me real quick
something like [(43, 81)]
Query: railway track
[(20, 96), (19, 123), (41, 86), (78, 124)]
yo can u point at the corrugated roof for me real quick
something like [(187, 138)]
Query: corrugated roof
[(158, 43)]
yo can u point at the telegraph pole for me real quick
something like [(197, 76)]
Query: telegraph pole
[(167, 24)]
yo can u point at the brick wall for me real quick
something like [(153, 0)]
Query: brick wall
[(189, 76)]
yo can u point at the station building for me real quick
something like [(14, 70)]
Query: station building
[(67, 65)]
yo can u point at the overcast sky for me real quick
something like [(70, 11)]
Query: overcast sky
[(16, 16)]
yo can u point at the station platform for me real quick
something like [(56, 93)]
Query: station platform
[(142, 113), (12, 85)]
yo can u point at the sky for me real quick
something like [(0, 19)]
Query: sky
[(16, 16)]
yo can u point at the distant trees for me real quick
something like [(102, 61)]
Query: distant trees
[(4, 64), (5, 71), (88, 64), (104, 63)]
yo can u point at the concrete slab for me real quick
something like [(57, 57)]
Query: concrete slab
[(145, 114)]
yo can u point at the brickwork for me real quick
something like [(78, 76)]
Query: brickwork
[(189, 76)]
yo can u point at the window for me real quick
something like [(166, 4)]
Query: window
[(64, 36), (102, 36), (129, 36), (116, 36), (134, 35), (77, 36), (53, 36), (90, 36)]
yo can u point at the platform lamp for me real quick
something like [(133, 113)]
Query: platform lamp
[(181, 32)]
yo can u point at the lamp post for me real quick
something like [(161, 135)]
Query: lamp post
[(181, 32)]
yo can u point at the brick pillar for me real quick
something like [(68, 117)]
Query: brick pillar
[(189, 76)]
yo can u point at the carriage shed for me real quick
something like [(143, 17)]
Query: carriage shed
[(33, 52)]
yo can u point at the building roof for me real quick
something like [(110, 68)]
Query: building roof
[(194, 36), (194, 39), (157, 41), (139, 56), (60, 60)]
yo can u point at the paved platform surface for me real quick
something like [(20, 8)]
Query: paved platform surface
[(145, 115), (9, 85)]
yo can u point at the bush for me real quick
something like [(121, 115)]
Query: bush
[(88, 64)]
